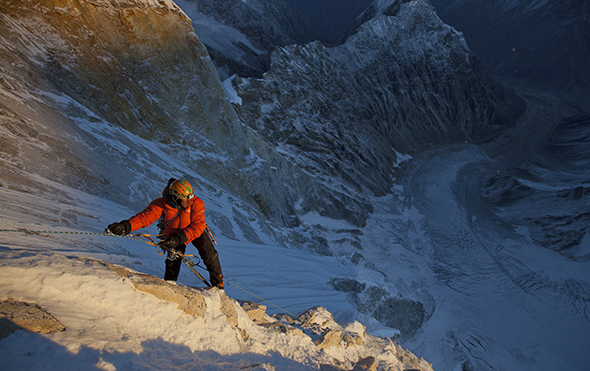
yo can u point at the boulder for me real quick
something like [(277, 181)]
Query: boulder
[(365, 364), (331, 338), (317, 319), (15, 315), (255, 311)]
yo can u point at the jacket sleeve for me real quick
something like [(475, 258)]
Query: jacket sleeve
[(149, 215), (198, 224)]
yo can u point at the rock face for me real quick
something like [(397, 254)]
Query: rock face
[(135, 64), (92, 67), (403, 81), (15, 315), (240, 35), (111, 57)]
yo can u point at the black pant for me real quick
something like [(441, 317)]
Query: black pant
[(207, 253)]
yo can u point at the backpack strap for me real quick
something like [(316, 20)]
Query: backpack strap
[(162, 224)]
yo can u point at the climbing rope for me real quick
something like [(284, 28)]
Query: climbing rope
[(141, 237), (147, 238)]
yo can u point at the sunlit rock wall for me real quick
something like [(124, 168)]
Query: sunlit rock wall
[(77, 72)]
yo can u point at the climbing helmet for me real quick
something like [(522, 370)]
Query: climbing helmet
[(181, 189)]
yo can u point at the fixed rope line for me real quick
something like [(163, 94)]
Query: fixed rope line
[(147, 238), (143, 237)]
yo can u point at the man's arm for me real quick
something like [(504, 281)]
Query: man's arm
[(149, 215)]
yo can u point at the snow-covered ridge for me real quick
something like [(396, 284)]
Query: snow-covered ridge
[(110, 316)]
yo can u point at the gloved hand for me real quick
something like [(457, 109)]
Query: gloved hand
[(121, 228), (170, 243)]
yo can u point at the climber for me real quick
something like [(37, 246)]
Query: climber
[(182, 220)]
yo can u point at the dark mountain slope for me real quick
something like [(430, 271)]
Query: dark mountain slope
[(542, 44)]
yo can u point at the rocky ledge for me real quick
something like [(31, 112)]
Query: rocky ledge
[(339, 347)]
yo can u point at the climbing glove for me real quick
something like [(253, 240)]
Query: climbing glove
[(120, 229), (170, 243)]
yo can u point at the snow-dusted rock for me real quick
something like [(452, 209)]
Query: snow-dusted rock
[(255, 311), (346, 347), (349, 345), (330, 338), (318, 319), (15, 315), (240, 35)]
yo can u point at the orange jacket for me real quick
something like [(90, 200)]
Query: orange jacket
[(191, 220)]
